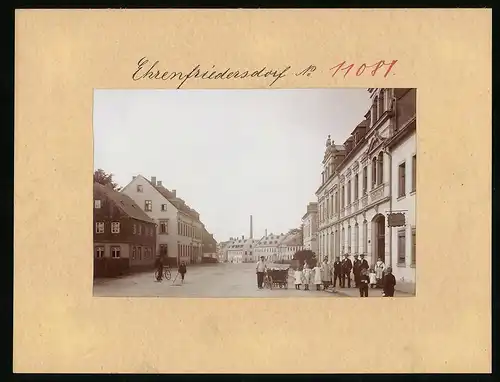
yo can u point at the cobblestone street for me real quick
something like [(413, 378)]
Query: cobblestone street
[(211, 280)]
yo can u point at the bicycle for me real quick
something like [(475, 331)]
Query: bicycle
[(268, 281), (164, 274)]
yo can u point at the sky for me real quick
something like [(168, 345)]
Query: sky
[(228, 153)]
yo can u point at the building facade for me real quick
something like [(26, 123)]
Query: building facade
[(124, 236), (355, 196), (268, 246), (310, 227), (402, 148), (240, 250), (179, 229), (209, 245)]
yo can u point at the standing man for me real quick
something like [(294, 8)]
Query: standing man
[(260, 269), (346, 271), (337, 271), (356, 270), (364, 263)]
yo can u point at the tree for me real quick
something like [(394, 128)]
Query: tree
[(101, 177), (305, 255)]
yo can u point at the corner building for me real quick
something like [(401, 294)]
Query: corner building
[(355, 194)]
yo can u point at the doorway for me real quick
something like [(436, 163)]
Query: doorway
[(378, 224)]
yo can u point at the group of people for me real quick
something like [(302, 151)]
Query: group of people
[(365, 277)]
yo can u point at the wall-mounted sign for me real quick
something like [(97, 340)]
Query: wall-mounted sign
[(396, 219)]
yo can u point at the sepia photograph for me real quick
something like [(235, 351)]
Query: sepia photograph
[(255, 193)]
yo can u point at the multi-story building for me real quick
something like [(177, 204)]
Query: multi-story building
[(268, 246), (240, 250), (291, 244), (310, 227), (179, 232), (403, 156), (124, 236), (357, 191)]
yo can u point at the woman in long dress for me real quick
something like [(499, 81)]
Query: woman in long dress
[(306, 276), (317, 276), (379, 271)]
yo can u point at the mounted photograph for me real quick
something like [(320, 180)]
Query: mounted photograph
[(255, 193)]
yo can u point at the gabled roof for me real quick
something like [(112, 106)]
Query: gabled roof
[(123, 202)]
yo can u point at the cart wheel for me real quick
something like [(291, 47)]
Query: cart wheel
[(158, 275), (281, 286)]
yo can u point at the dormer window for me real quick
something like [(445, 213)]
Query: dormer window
[(97, 203)]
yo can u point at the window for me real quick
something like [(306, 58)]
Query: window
[(356, 238), (336, 201), (99, 227), (134, 252), (348, 192), (163, 207), (148, 205), (402, 180), (140, 229), (164, 227), (139, 252), (178, 250), (380, 172), (115, 227), (381, 105), (414, 173), (365, 180), (374, 171), (178, 228), (99, 252), (97, 203), (413, 246), (139, 188), (115, 252), (342, 197), (163, 250), (365, 236), (134, 229), (401, 247), (356, 187), (349, 239)]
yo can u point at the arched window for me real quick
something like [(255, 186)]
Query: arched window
[(374, 171), (380, 172)]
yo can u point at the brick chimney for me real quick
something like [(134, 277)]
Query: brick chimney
[(159, 183), (174, 192), (153, 180)]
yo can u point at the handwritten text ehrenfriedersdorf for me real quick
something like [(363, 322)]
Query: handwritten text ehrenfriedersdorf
[(147, 70)]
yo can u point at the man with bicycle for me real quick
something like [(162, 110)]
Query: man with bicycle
[(159, 268)]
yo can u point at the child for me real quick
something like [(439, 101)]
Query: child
[(373, 278), (317, 277), (306, 274), (364, 280), (298, 278), (389, 283)]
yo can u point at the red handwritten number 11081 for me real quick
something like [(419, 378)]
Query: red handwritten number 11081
[(380, 65)]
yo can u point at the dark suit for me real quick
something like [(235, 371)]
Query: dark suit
[(364, 264), (389, 282), (346, 272), (356, 269), (337, 272), (364, 280)]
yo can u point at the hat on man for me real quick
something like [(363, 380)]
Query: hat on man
[(356, 255), (362, 255)]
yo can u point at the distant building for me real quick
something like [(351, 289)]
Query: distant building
[(124, 236), (240, 250), (268, 246), (292, 243), (310, 227), (209, 245)]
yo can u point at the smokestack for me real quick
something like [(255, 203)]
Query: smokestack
[(251, 227)]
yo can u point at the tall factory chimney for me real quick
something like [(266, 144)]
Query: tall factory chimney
[(251, 227)]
